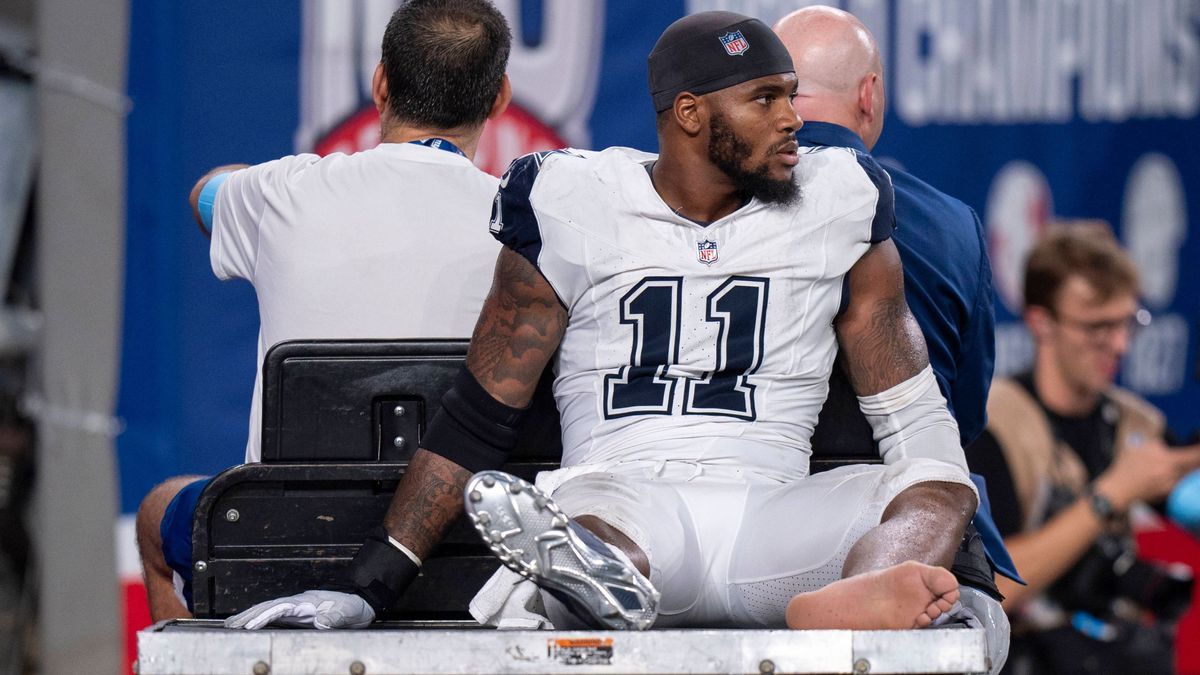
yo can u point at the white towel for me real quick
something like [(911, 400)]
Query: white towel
[(510, 601)]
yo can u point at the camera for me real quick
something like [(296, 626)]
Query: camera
[(1111, 570)]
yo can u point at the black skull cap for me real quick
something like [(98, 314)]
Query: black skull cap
[(709, 51)]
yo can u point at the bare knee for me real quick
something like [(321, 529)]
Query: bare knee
[(953, 503), (151, 511)]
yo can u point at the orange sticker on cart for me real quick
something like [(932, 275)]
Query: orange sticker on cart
[(581, 651)]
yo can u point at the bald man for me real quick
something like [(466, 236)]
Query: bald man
[(946, 272), (947, 278)]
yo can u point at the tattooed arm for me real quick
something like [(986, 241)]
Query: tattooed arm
[(519, 328), (881, 340)]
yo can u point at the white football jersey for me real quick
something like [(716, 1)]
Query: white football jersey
[(384, 243), (687, 339)]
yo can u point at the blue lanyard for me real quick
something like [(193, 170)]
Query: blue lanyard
[(440, 144)]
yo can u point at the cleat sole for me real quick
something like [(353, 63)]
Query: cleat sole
[(525, 529)]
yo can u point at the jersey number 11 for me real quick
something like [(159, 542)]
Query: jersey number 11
[(647, 387)]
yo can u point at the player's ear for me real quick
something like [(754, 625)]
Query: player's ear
[(503, 98), (379, 89), (689, 113)]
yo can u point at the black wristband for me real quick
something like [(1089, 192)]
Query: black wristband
[(379, 574), (1102, 506)]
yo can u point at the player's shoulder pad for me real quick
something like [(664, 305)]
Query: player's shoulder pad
[(842, 170), (513, 221), (884, 222)]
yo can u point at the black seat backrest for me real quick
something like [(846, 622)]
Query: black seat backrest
[(842, 435), (371, 400), (330, 466)]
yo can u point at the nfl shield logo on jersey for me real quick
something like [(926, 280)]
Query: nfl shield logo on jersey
[(735, 44), (707, 251)]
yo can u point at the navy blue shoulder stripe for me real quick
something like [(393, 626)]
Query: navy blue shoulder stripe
[(885, 209), (514, 223)]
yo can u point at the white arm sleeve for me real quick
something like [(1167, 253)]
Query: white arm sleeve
[(911, 420)]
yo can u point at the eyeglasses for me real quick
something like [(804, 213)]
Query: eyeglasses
[(1103, 331)]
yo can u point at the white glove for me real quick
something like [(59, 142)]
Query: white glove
[(312, 609)]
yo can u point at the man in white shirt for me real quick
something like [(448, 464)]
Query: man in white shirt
[(324, 239)]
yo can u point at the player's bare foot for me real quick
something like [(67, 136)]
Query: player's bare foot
[(909, 595)]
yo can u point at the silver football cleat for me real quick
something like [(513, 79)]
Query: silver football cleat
[(526, 530)]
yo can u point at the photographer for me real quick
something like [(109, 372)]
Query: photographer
[(1066, 455)]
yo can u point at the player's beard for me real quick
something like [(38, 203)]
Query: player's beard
[(731, 152)]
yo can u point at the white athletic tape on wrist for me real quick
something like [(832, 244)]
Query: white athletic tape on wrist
[(911, 420), (404, 549)]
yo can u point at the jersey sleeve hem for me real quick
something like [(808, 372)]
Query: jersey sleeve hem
[(514, 222), (884, 221)]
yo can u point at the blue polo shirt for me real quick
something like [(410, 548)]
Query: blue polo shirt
[(947, 281)]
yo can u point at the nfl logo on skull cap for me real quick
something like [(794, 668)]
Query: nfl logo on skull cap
[(735, 44), (706, 251)]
